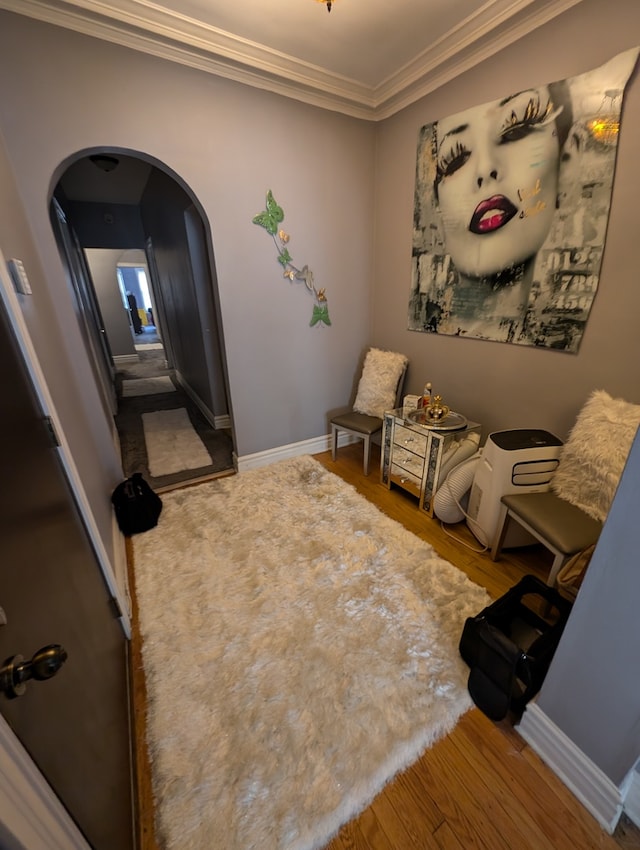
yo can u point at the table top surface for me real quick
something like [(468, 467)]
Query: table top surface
[(452, 422)]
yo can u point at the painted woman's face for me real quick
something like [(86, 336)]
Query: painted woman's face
[(497, 176)]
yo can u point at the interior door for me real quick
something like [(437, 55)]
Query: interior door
[(75, 725), (91, 322)]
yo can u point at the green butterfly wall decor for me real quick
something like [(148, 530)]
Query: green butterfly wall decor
[(270, 219), (320, 314)]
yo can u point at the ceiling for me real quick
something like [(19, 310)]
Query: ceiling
[(365, 58), (87, 182)]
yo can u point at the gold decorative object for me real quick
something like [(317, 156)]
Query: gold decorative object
[(329, 3), (437, 411), (605, 127)]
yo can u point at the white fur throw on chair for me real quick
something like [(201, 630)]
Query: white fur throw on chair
[(595, 453), (379, 382)]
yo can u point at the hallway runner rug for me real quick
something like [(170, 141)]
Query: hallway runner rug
[(147, 386), (299, 648), (172, 442), (146, 346)]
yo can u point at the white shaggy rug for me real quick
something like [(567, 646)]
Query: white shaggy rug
[(172, 443), (148, 386), (299, 648)]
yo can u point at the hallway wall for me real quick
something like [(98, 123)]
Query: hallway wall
[(187, 302), (336, 178), (103, 267), (63, 360), (230, 144), (507, 386)]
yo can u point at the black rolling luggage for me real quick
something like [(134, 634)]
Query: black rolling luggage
[(509, 646)]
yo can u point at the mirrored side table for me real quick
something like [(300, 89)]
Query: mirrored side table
[(417, 457)]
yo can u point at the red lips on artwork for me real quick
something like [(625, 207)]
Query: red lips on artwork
[(492, 214)]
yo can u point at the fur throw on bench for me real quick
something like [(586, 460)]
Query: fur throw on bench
[(594, 455), (378, 384)]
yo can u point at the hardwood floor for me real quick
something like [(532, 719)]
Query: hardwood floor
[(481, 787)]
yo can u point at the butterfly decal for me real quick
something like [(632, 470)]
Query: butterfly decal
[(271, 217), (320, 314), (306, 275)]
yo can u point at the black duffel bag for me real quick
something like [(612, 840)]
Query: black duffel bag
[(136, 505), (509, 646)]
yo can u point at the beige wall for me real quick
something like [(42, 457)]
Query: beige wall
[(70, 379), (508, 386), (347, 190), (337, 179), (103, 266), (229, 144)]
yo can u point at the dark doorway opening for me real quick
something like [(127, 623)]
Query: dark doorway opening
[(145, 284)]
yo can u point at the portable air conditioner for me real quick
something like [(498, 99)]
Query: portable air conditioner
[(518, 461)]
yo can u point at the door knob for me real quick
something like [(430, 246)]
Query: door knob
[(44, 664)]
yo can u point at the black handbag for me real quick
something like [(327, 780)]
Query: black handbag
[(509, 646), (137, 506)]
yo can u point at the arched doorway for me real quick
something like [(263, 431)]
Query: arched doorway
[(107, 207)]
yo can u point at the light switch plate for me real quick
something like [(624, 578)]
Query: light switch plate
[(19, 277)]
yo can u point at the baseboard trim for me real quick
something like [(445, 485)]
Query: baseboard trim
[(222, 423), (121, 574), (195, 398), (632, 798), (585, 780), (305, 447)]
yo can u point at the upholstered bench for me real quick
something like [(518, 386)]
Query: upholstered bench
[(569, 517), (561, 527), (379, 389)]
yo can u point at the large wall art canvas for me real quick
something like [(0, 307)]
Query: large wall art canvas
[(511, 208)]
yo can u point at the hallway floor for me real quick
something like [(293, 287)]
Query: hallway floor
[(128, 420)]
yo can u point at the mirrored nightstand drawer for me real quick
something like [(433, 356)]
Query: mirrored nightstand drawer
[(406, 480), (410, 439), (408, 461)]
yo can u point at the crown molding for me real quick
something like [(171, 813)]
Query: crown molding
[(492, 28), (146, 27)]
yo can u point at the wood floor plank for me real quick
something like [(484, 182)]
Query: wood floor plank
[(560, 817), (589, 833), (474, 814), (505, 774), (445, 838), (348, 838), (403, 830), (406, 795), (142, 770), (372, 833)]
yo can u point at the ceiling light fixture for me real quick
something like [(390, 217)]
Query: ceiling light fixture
[(104, 162), (328, 2)]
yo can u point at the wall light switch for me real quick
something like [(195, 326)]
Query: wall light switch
[(19, 277)]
